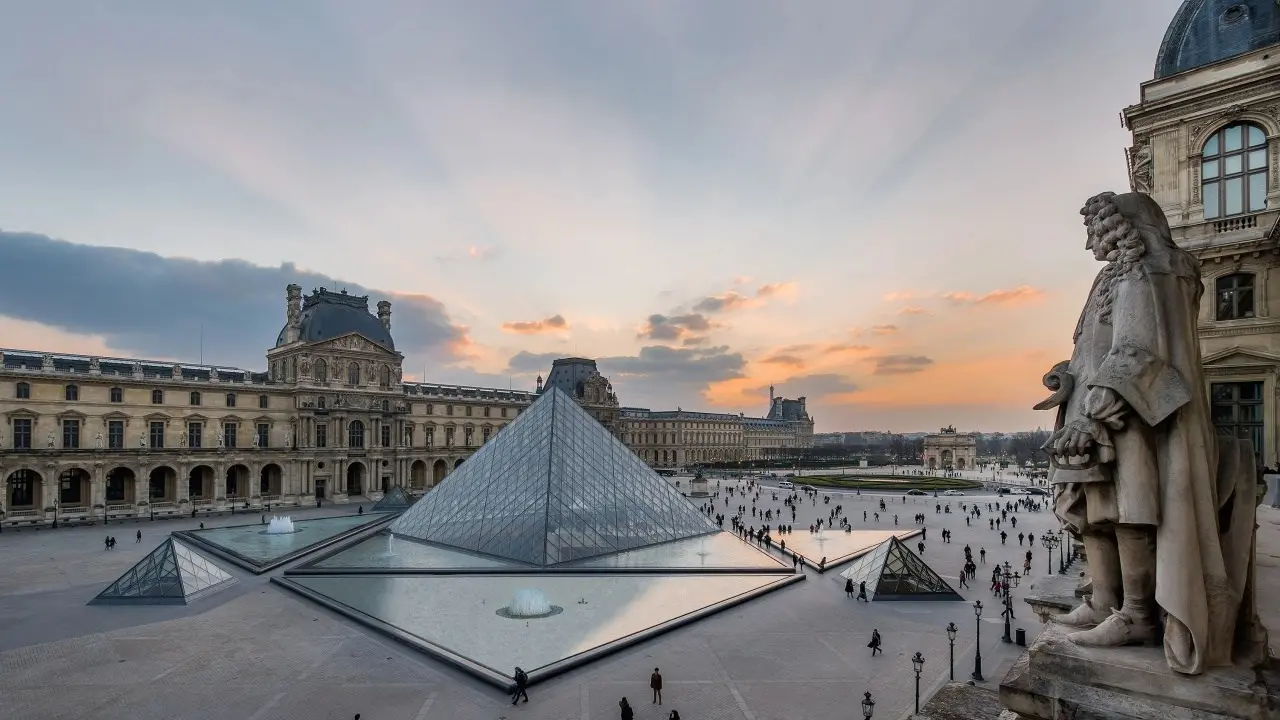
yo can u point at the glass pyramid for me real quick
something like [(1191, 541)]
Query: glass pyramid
[(552, 487), (395, 500), (892, 572), (171, 574)]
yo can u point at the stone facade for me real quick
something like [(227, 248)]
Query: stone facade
[(1206, 147), (84, 437), (677, 438), (950, 450), (581, 380)]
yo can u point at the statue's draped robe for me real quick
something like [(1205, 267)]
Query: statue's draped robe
[(1165, 472)]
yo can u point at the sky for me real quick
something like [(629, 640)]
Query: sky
[(870, 204)]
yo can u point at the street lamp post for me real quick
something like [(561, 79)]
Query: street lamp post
[(1062, 549), (1049, 541), (917, 661), (977, 651), (1010, 581), (868, 705), (951, 638)]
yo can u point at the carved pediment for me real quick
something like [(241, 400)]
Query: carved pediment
[(71, 415), (156, 416), (195, 417), (358, 343), (116, 415), (1237, 356)]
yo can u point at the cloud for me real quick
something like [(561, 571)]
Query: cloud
[(142, 303), (672, 328), (836, 348), (733, 300), (782, 359), (813, 386), (884, 329), (913, 310), (664, 376), (527, 363), (903, 295), (555, 323), (1020, 295), (899, 364)]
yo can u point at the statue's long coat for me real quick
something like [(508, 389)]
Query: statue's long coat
[(1166, 469)]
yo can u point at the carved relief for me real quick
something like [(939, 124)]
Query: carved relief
[(304, 367), (1140, 166), (1195, 178)]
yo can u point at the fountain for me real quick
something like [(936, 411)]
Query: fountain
[(280, 526), (529, 603)]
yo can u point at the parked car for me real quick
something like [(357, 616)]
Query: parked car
[(786, 485), (1037, 491), (953, 492), (916, 491)]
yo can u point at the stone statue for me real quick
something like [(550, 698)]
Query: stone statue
[(97, 441), (221, 439), (142, 441), (1165, 507), (1140, 168), (51, 439), (255, 440)]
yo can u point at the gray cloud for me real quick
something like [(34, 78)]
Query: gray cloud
[(527, 362), (813, 386), (674, 327), (154, 306), (663, 377), (900, 364)]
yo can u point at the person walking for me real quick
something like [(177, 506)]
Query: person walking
[(848, 588), (522, 683), (139, 538), (627, 712), (862, 591), (875, 643), (655, 683), (964, 572)]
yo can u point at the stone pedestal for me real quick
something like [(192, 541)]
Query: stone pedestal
[(1058, 680)]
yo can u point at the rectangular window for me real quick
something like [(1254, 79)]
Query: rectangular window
[(22, 434), (195, 435), (468, 411), (448, 409), (486, 411), (156, 438), (264, 402), (1211, 210), (386, 435), (264, 434), (322, 435), (71, 434), (231, 399), (504, 412), (229, 434), (117, 395), (485, 436), (1237, 410), (1235, 296), (430, 409), (23, 391), (72, 393)]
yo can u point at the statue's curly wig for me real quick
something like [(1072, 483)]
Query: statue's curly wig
[(1121, 241)]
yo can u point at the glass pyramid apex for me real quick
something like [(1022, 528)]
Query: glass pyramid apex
[(172, 573), (395, 500), (552, 487), (892, 572)]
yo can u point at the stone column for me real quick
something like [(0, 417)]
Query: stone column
[(141, 485), (183, 485), (219, 482)]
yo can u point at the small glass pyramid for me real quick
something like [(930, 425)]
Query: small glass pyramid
[(395, 500), (552, 487), (892, 572), (171, 574)]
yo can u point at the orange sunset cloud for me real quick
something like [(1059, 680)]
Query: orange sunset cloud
[(913, 310), (555, 323), (733, 300), (1021, 295)]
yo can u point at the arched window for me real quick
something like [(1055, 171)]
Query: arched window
[(384, 376), (320, 403), (195, 398), (71, 393), (1235, 296), (321, 371), (1233, 171), (353, 374), (157, 397), (355, 434)]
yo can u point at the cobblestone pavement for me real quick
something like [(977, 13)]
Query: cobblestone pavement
[(255, 651)]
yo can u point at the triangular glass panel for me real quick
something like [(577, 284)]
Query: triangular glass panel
[(554, 486), (395, 500), (892, 572), (172, 573)]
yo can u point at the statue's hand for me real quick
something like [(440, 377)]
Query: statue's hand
[(1105, 406), (1070, 441)]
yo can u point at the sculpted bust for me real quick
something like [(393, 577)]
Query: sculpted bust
[(1164, 505)]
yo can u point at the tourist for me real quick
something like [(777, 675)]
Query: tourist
[(674, 715), (982, 554), (1003, 536), (920, 547), (848, 588), (875, 643), (1020, 537), (139, 538), (963, 573), (655, 683), (106, 543), (522, 682), (627, 712), (862, 591)]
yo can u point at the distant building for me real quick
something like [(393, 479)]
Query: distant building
[(950, 450)]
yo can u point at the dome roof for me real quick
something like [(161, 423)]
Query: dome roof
[(1206, 31), (327, 315)]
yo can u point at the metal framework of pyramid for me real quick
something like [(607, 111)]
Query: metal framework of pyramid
[(395, 500), (554, 486), (892, 572), (171, 574)]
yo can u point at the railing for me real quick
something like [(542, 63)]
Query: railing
[(201, 502), (164, 505), (23, 513), (1232, 224), (270, 498), (120, 508)]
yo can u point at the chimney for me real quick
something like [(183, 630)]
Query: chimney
[(384, 314)]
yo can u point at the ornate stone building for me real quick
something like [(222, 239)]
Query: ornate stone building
[(950, 450), (581, 380), (1206, 146), (331, 418)]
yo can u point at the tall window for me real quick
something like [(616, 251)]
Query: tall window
[(486, 411), (22, 391), (355, 434), (321, 372), (322, 435), (468, 411), (71, 434), (22, 485), (386, 435), (386, 406), (117, 395), (195, 398), (353, 374), (231, 399), (1235, 296), (484, 436), (448, 409), (384, 376), (69, 487), (264, 402), (157, 397), (22, 434), (264, 434), (1234, 171), (71, 393), (156, 434), (115, 434), (229, 434), (320, 403), (195, 435), (1237, 410), (504, 412), (431, 409)]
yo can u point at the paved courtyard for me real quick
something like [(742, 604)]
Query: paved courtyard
[(257, 651)]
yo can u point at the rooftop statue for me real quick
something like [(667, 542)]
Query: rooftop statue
[(1165, 506)]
